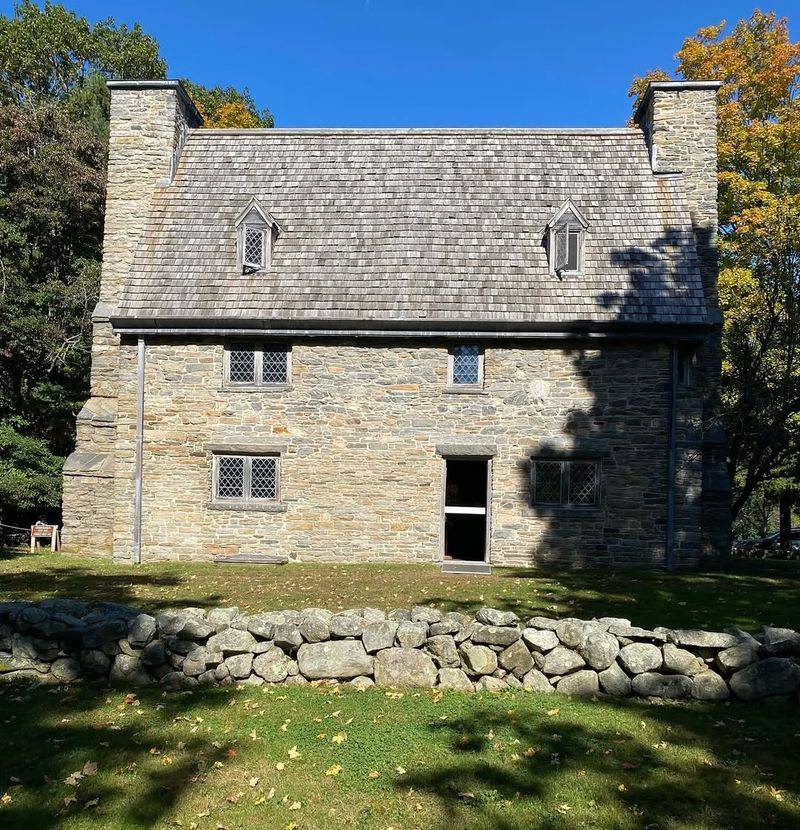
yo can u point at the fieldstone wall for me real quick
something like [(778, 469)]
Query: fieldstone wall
[(362, 430), (62, 641)]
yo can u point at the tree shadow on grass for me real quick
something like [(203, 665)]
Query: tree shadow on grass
[(569, 765), (50, 733), (747, 597), (91, 585)]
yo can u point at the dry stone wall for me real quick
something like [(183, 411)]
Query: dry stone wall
[(61, 641)]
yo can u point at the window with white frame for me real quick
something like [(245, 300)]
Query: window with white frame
[(565, 483), (566, 236), (257, 365), (466, 366), (245, 478)]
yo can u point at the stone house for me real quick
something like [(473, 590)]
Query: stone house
[(492, 346)]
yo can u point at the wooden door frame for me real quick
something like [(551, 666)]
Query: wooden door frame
[(443, 498)]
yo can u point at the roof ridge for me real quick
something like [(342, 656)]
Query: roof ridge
[(268, 132)]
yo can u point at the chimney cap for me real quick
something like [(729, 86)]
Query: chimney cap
[(671, 86), (176, 85)]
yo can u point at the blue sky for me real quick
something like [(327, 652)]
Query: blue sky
[(425, 62)]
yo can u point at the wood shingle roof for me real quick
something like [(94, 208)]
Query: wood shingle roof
[(424, 226)]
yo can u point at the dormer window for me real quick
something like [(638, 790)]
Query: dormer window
[(257, 231), (254, 256), (566, 233)]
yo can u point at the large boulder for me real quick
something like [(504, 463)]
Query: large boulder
[(477, 660), (495, 635), (444, 651), (411, 634), (141, 630), (541, 640), (347, 625), (239, 666), (767, 678), (638, 658), (737, 657), (379, 635), (535, 681), (614, 681), (261, 626), (272, 665), (426, 614), (128, 670), (487, 683), (334, 659), (221, 618), (709, 686), (680, 661), (66, 669), (703, 639), (543, 623), (781, 641), (491, 616), (572, 631), (632, 632), (450, 678), (231, 641), (599, 648), (653, 684), (95, 662), (582, 683), (196, 628), (404, 667), (315, 624), (287, 637), (516, 659), (562, 660)]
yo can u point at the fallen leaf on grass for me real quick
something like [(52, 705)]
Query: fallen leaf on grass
[(295, 805), (89, 768), (374, 774), (333, 769), (339, 739), (253, 782), (293, 753)]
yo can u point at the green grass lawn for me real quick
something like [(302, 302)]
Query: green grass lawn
[(748, 594), (319, 757)]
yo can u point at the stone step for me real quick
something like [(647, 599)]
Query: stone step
[(250, 559), (457, 566)]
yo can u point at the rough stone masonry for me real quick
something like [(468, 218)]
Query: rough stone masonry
[(62, 641), (424, 232)]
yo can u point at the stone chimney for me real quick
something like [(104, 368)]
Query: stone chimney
[(679, 122), (149, 124)]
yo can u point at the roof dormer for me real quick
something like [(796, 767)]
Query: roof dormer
[(257, 229), (566, 235)]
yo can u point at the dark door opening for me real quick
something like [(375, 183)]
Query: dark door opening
[(465, 509)]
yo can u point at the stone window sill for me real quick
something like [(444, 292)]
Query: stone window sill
[(465, 390), (256, 387), (564, 511), (249, 506)]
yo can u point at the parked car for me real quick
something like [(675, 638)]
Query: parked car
[(768, 544)]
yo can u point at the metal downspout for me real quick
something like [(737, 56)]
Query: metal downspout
[(672, 452), (137, 482)]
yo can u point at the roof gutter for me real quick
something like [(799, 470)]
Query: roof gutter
[(416, 329)]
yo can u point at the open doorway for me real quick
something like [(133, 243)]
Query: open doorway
[(466, 513)]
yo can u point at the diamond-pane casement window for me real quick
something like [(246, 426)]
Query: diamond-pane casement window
[(246, 478), (253, 251), (275, 365), (566, 483), (582, 483), (242, 366), (547, 482), (466, 364), (263, 477), (253, 365), (230, 477)]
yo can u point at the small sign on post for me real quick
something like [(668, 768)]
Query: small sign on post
[(41, 533)]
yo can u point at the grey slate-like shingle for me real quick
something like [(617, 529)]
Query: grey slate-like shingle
[(418, 225)]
